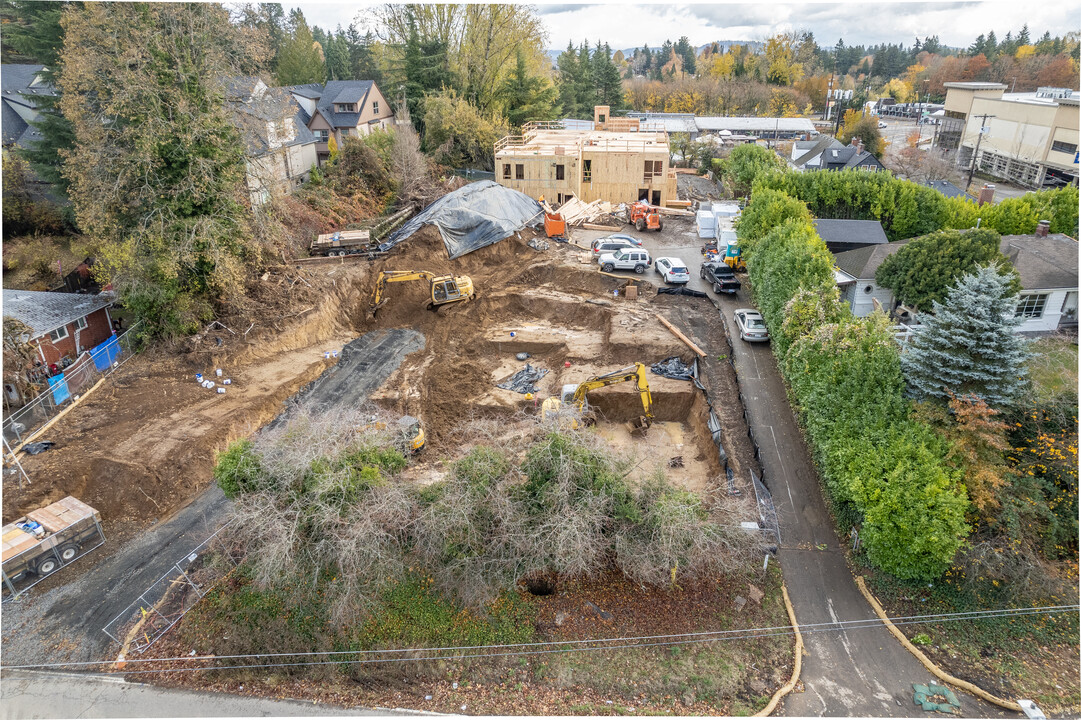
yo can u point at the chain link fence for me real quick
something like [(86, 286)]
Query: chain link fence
[(164, 603), (66, 388)]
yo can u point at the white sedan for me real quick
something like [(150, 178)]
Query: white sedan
[(750, 325), (673, 270)]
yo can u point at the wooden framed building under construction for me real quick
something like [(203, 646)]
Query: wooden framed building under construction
[(617, 160)]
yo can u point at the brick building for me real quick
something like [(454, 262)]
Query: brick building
[(61, 324)]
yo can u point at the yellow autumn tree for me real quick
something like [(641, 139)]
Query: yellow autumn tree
[(900, 90), (1025, 52), (722, 66), (332, 148)]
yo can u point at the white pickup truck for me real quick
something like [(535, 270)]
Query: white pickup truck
[(47, 539)]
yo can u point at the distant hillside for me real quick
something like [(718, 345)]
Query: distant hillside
[(629, 52)]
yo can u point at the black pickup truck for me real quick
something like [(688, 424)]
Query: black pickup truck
[(721, 276)]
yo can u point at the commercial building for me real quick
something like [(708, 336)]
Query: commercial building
[(764, 128), (614, 159), (1026, 138)]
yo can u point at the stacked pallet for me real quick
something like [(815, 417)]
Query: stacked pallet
[(16, 541), (65, 514)]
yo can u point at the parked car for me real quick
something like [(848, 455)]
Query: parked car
[(609, 245), (624, 236), (881, 124), (721, 276), (750, 325), (625, 259), (673, 270)]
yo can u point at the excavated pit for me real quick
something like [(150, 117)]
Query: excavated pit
[(570, 321)]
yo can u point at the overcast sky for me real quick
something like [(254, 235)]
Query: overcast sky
[(867, 22)]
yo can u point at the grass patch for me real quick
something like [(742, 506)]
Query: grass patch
[(1053, 366)]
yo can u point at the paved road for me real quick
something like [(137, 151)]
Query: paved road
[(65, 624), (863, 672), (70, 695)]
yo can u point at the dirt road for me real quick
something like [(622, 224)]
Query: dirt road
[(65, 624)]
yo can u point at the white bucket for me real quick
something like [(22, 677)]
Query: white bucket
[(199, 378), (218, 372), (221, 391), (227, 382)]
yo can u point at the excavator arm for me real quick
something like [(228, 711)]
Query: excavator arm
[(635, 373), (389, 276)]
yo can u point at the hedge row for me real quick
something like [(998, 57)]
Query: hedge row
[(884, 471), (907, 209)]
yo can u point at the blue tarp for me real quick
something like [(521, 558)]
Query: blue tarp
[(472, 217), (60, 388), (106, 354)]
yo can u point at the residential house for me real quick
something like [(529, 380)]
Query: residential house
[(614, 159), (62, 325), (19, 85), (829, 153), (842, 235), (342, 108), (1046, 264), (1029, 138), (948, 189), (281, 151)]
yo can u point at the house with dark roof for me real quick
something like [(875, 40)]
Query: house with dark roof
[(19, 86), (1046, 264), (60, 324), (281, 150), (342, 108), (829, 153), (841, 235), (948, 189)]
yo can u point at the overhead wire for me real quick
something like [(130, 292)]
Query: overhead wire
[(557, 646)]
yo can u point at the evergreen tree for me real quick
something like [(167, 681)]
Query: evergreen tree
[(527, 97), (968, 346), (336, 50), (977, 46), (569, 79), (426, 70), (32, 33), (647, 59), (606, 78), (990, 49), (685, 51), (932, 45), (362, 62), (1023, 37), (300, 60), (586, 88)]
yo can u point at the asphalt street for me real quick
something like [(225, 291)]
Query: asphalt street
[(860, 672), (26, 695)]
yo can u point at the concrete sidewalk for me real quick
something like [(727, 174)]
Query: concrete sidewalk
[(25, 694)]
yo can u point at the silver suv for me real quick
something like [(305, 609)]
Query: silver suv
[(635, 259)]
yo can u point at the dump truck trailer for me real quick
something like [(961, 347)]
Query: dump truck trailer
[(46, 540)]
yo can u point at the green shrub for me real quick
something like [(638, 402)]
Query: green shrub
[(237, 470)]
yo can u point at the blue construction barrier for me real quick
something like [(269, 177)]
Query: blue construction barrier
[(60, 388), (106, 353)]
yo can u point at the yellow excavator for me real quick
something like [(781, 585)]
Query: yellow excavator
[(574, 396), (443, 289)]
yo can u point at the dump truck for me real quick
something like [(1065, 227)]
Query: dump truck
[(47, 539), (343, 242)]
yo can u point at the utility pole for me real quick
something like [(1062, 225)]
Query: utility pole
[(976, 152)]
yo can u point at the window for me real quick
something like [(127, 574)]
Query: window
[(1064, 147), (322, 135), (80, 324), (587, 171), (59, 334), (653, 169), (559, 172), (1031, 306), (519, 172), (375, 107), (506, 171), (601, 118), (345, 107)]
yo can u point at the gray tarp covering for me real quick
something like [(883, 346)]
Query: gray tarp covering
[(524, 380), (472, 217)]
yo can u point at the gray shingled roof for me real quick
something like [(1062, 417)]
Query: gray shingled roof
[(310, 90), (862, 263), (1042, 262), (851, 231), (13, 125), (817, 148), (15, 90), (948, 189), (16, 78), (44, 312), (345, 89), (274, 105)]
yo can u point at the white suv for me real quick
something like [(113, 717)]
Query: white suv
[(673, 270), (625, 259)]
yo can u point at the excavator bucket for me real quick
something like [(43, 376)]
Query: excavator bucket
[(639, 425)]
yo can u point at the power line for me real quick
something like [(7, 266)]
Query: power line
[(559, 645)]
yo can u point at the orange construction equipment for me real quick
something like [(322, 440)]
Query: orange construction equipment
[(643, 216), (554, 225)]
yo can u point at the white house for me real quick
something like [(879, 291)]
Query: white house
[(1046, 264)]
